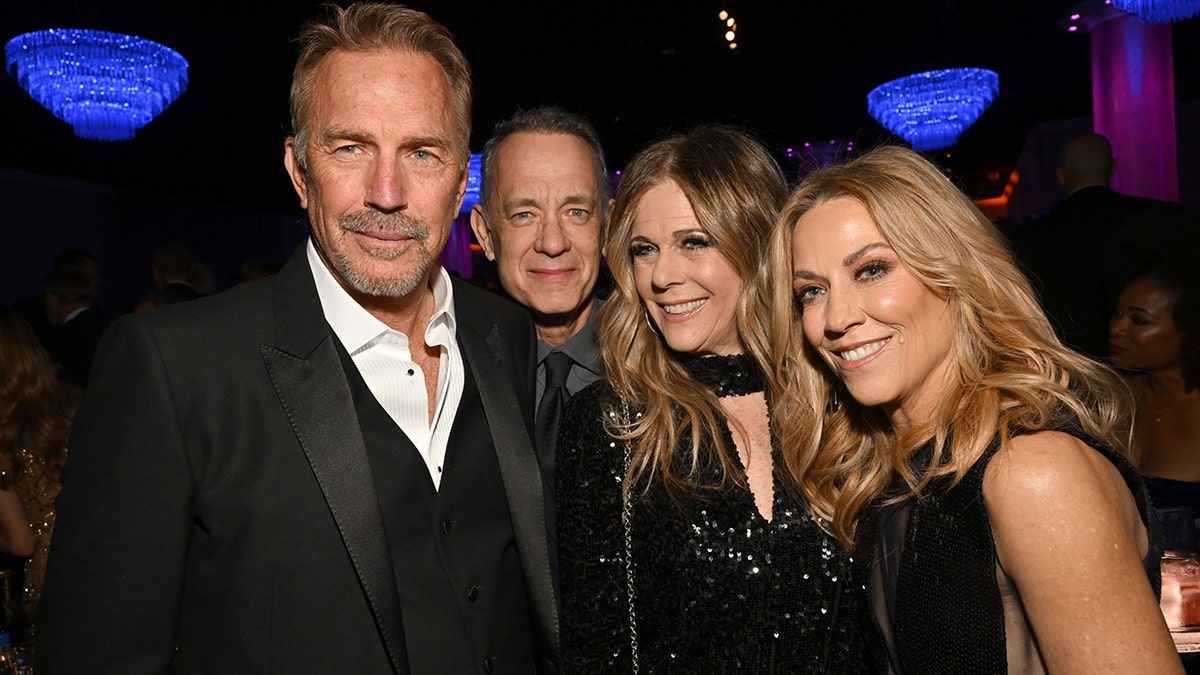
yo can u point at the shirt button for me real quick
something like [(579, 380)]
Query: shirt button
[(489, 664), (447, 525), (472, 593)]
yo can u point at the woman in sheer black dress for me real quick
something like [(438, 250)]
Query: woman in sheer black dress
[(954, 441)]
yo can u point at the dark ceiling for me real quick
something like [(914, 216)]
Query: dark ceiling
[(638, 69)]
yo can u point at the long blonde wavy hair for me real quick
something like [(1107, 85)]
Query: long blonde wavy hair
[(1012, 371), (735, 189)]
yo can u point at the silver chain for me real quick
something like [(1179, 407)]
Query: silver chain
[(627, 516)]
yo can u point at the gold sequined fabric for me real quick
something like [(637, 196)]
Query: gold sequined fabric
[(37, 491), (717, 588)]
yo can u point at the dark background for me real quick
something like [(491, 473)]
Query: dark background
[(637, 69)]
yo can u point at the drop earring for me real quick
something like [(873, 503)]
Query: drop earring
[(650, 322)]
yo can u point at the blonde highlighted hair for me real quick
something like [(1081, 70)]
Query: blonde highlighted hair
[(735, 188), (1012, 371)]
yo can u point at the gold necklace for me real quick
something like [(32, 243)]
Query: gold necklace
[(1157, 414)]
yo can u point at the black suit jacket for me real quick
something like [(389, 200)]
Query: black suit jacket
[(1080, 254), (74, 345), (218, 495)]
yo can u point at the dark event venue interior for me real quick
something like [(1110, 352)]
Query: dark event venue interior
[(207, 172), (202, 185)]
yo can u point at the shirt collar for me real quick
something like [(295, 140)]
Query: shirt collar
[(1081, 188), (76, 313), (355, 327), (581, 346)]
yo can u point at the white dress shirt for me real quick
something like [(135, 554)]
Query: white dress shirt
[(385, 362)]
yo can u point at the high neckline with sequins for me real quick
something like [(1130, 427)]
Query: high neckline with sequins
[(734, 375)]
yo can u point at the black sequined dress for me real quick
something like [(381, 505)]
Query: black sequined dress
[(717, 588)]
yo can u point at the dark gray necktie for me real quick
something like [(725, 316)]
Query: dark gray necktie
[(554, 397)]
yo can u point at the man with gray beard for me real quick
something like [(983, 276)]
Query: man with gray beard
[(328, 470)]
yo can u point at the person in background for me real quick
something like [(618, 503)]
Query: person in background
[(85, 262), (330, 470), (945, 433), (35, 414), (202, 279), (173, 268), (685, 543), (1076, 253), (543, 206), (77, 324), (1154, 338), (255, 268)]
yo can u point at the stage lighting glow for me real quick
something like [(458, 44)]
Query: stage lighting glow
[(474, 179)]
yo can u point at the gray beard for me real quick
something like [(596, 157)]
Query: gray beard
[(404, 282)]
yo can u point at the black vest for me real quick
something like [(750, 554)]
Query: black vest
[(462, 593)]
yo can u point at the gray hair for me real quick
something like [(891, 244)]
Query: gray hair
[(545, 120)]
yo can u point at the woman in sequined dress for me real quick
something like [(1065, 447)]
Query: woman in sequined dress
[(954, 441), (685, 546), (35, 415)]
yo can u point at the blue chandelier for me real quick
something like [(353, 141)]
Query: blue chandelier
[(105, 85), (931, 109), (1160, 11)]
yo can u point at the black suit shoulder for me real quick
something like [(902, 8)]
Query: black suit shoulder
[(508, 329), (207, 330), (492, 306), (1096, 213)]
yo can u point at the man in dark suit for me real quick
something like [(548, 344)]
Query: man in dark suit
[(1072, 253), (329, 470), (66, 318), (544, 201), (74, 323), (172, 267)]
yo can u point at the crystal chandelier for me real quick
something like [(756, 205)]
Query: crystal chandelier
[(1160, 11), (931, 109), (105, 85)]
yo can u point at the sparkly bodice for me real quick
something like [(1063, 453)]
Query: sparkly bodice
[(717, 588)]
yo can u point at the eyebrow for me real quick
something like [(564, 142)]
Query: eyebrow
[(857, 255), (846, 262), (675, 235), (532, 201), (338, 134), (328, 136), (519, 202), (428, 142), (580, 199)]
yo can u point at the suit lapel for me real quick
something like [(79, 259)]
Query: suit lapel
[(483, 346), (311, 385)]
